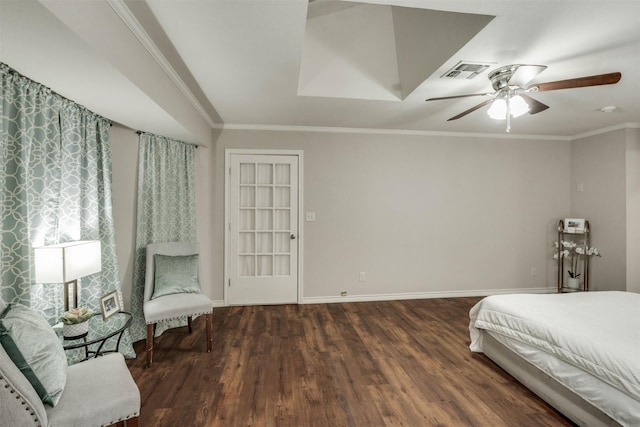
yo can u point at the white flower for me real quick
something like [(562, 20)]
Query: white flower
[(573, 252), (593, 251)]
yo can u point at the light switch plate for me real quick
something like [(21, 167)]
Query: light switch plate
[(310, 216)]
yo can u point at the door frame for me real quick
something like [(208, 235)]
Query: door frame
[(228, 152)]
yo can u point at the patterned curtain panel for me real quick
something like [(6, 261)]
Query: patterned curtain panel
[(166, 210), (55, 186)]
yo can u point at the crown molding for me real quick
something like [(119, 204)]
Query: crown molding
[(138, 31), (367, 131), (632, 125)]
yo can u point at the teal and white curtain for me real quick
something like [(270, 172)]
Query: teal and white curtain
[(166, 210), (55, 186)]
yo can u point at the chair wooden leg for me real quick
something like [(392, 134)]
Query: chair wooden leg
[(150, 334), (189, 319), (208, 319)]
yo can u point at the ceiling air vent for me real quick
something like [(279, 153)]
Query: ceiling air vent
[(466, 70)]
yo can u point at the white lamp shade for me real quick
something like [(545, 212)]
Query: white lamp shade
[(69, 261), (518, 106), (498, 109)]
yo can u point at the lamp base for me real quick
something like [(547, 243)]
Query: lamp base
[(74, 293)]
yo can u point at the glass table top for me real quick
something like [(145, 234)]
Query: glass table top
[(99, 330)]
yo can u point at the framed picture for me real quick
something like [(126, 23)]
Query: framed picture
[(574, 225), (110, 304)]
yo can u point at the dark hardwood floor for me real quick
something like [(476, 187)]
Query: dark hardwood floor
[(396, 363)]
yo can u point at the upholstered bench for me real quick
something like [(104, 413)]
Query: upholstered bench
[(97, 392)]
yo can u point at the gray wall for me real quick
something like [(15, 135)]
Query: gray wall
[(420, 215), (633, 209), (124, 155), (608, 166), (423, 215), (598, 162)]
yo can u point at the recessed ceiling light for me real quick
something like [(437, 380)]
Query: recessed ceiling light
[(609, 109)]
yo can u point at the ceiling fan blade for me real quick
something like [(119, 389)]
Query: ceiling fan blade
[(524, 74), (535, 106), (472, 109), (458, 96), (598, 80)]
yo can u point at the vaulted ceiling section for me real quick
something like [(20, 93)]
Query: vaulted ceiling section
[(378, 52)]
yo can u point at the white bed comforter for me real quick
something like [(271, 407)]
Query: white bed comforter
[(598, 332)]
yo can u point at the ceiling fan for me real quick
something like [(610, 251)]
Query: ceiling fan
[(510, 98)]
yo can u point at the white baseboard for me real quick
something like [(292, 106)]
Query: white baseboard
[(425, 295), (416, 295)]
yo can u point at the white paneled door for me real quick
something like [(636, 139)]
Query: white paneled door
[(263, 229)]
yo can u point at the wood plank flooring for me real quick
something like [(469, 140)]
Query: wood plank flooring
[(395, 363)]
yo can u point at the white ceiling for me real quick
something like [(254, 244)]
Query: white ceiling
[(368, 51), (177, 67), (39, 46)]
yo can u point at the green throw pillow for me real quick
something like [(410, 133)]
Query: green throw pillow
[(35, 349), (175, 275)]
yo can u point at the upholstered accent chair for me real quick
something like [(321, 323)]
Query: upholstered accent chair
[(97, 392), (172, 288)]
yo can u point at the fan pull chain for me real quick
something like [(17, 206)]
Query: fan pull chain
[(508, 116)]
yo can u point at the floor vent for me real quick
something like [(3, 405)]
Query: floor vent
[(466, 70)]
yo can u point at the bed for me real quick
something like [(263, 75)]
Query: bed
[(580, 352)]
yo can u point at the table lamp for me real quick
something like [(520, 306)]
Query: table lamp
[(66, 263)]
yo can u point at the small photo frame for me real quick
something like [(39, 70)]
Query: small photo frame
[(110, 304), (574, 225)]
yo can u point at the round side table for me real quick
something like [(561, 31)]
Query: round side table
[(100, 331)]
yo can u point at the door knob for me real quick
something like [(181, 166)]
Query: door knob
[(293, 236)]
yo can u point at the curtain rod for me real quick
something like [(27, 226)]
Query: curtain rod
[(48, 89), (139, 132)]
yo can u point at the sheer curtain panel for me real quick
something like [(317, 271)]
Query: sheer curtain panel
[(55, 187), (166, 210)]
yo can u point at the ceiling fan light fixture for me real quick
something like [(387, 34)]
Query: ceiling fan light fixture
[(511, 80), (498, 109), (518, 106), (515, 106)]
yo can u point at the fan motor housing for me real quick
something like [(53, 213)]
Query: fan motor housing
[(501, 76)]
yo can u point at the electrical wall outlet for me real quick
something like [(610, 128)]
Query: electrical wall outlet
[(363, 276), (534, 272)]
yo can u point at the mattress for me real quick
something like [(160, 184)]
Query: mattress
[(588, 341)]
